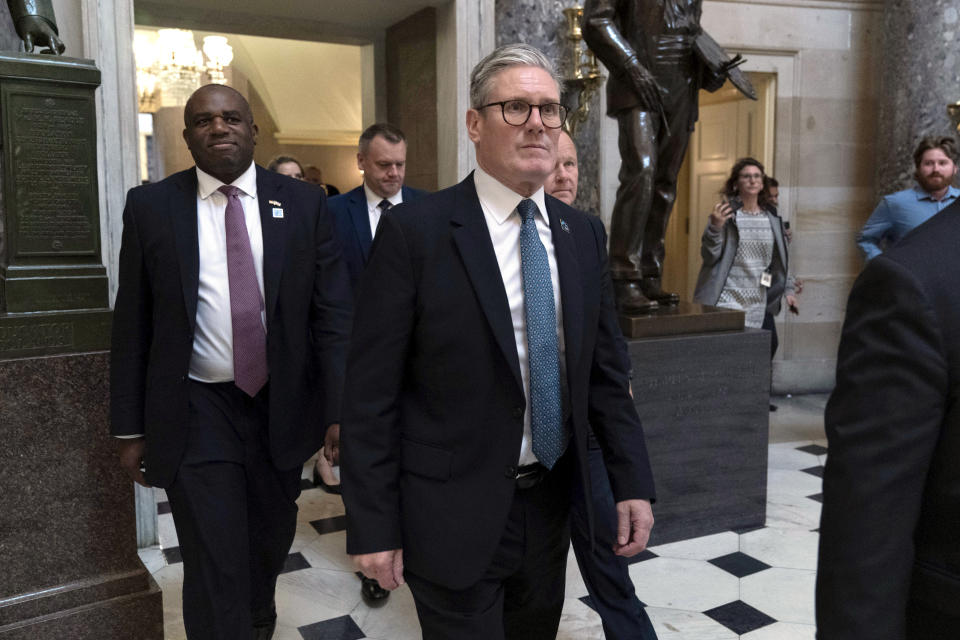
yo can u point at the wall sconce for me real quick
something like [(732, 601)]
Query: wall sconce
[(953, 110), (582, 74)]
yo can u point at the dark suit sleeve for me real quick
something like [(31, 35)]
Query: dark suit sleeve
[(132, 333), (370, 434), (612, 414), (883, 421), (331, 315)]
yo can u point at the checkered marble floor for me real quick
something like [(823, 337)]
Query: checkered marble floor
[(754, 584)]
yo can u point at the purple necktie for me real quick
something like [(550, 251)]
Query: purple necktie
[(246, 303)]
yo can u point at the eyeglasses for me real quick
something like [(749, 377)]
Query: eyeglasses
[(751, 176), (517, 112)]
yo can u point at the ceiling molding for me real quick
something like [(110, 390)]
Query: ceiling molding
[(162, 14), (319, 138), (850, 5)]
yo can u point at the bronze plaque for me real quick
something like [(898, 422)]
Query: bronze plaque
[(53, 155)]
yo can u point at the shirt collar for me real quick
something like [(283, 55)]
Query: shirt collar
[(374, 200), (247, 182), (500, 201), (952, 192)]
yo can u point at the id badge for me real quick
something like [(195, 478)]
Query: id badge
[(766, 279)]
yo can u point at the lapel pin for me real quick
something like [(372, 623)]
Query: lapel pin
[(563, 225), (275, 203), (277, 211)]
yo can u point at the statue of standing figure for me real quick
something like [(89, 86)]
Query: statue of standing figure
[(659, 58)]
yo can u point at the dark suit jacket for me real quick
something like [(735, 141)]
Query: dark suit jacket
[(434, 403), (890, 530), (352, 223), (307, 299)]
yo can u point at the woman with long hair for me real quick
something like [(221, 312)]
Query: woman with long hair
[(744, 252)]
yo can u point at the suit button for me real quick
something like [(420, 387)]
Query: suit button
[(510, 472), (518, 412)]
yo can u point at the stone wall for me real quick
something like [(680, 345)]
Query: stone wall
[(411, 47), (824, 54), (921, 75)]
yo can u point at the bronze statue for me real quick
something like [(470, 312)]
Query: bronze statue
[(36, 25), (658, 58)]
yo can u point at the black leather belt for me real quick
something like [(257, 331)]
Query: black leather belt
[(530, 475)]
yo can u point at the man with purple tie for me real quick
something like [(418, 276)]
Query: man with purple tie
[(229, 335)]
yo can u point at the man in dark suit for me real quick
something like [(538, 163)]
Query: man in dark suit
[(485, 340), (382, 157), (229, 338), (605, 574), (889, 566)]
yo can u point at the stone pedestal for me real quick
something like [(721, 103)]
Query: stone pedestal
[(67, 526), (68, 559), (703, 400)]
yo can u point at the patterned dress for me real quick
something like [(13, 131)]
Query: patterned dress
[(742, 290)]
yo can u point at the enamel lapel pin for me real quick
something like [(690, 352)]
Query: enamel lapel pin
[(277, 209)]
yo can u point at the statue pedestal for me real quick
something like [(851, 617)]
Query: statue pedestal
[(68, 552), (679, 319), (69, 544), (704, 403)]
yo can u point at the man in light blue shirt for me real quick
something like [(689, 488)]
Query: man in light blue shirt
[(898, 213)]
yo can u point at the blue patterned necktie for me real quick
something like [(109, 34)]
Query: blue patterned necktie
[(543, 351)]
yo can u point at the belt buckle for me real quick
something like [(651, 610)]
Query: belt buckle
[(531, 477)]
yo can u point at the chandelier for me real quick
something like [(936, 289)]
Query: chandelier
[(170, 67)]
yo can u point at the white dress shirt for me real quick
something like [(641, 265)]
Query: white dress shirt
[(212, 359), (499, 205), (373, 206)]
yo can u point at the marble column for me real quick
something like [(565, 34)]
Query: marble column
[(920, 75), (542, 24)]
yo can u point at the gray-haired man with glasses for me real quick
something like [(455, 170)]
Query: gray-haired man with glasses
[(485, 340)]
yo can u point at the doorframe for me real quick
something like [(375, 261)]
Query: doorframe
[(465, 33)]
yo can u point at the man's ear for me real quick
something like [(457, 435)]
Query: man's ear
[(256, 131), (359, 161), (474, 125)]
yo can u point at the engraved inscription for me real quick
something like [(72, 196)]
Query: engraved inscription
[(53, 174), (32, 337)]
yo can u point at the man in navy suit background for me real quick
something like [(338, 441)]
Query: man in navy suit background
[(229, 337), (382, 156)]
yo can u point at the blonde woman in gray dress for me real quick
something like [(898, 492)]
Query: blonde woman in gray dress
[(745, 252)]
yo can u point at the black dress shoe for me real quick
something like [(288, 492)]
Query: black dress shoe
[(318, 482), (630, 299), (373, 594)]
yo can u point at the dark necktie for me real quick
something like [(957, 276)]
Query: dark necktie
[(543, 351), (246, 302), (383, 206)]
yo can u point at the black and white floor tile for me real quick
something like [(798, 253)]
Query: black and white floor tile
[(756, 584)]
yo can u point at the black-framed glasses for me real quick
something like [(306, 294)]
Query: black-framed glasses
[(517, 112)]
